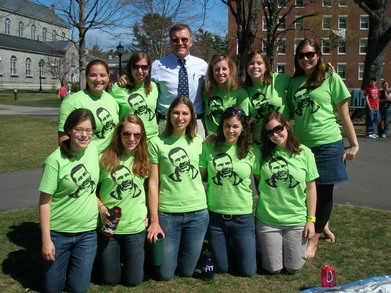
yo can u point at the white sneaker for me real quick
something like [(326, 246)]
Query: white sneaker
[(375, 136), (370, 136), (384, 135)]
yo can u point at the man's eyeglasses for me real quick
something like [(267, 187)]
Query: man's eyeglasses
[(277, 130), (306, 54), (127, 135), (81, 130), (143, 67), (177, 40)]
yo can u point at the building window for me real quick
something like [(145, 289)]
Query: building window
[(264, 47), (297, 41), (341, 70), (63, 36), (326, 46), (54, 69), (41, 68), (44, 32), (342, 22), (363, 46), (28, 66), (299, 3), (282, 23), (326, 22), (21, 27), (264, 24), (364, 22), (13, 65), (281, 3), (7, 29), (73, 60), (326, 3), (360, 71), (54, 35), (281, 68), (341, 47), (1, 69), (281, 48), (299, 24), (343, 3), (33, 32)]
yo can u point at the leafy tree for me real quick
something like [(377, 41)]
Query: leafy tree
[(207, 44), (379, 36)]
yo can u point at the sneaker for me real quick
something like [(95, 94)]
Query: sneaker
[(370, 136), (384, 135), (375, 135)]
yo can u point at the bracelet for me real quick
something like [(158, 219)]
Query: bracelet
[(311, 219), (102, 205)]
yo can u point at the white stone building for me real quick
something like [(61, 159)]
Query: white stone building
[(35, 50)]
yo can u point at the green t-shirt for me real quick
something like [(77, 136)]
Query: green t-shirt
[(125, 190), (105, 110), (72, 182), (139, 103), (216, 104), (282, 196), (315, 121), (229, 180), (181, 189), (265, 99)]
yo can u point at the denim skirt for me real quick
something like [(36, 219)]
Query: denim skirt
[(328, 159)]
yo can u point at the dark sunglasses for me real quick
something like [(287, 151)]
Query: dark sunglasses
[(176, 40), (277, 130), (143, 67), (235, 111), (127, 135), (306, 54), (219, 55)]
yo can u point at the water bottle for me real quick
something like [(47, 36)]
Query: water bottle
[(115, 216), (207, 266), (328, 276)]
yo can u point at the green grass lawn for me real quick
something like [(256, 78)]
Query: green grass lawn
[(31, 100), (25, 142), (362, 250)]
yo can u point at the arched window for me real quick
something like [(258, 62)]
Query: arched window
[(54, 35), (54, 69), (33, 32), (21, 27), (13, 65), (1, 68), (28, 66), (41, 68), (44, 31), (7, 29), (63, 36)]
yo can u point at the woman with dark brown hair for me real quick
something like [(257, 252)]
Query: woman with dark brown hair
[(139, 94), (314, 94), (124, 166), (177, 201)]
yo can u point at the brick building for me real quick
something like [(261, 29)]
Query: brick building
[(346, 54)]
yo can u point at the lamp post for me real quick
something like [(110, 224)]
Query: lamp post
[(41, 63), (120, 51)]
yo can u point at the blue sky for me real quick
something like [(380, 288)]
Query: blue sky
[(216, 22)]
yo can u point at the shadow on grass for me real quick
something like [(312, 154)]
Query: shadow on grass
[(24, 265)]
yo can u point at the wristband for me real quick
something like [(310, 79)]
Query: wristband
[(102, 205), (311, 219)]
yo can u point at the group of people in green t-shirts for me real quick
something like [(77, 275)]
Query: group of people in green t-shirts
[(111, 154)]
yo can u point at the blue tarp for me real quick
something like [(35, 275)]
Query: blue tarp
[(374, 285)]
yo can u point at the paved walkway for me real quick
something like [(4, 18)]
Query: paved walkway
[(369, 174)]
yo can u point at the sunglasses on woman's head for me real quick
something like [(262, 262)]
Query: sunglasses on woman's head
[(127, 135), (306, 54), (277, 130), (219, 55), (143, 67), (236, 111)]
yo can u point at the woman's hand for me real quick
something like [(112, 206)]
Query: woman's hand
[(309, 230), (350, 153), (104, 214), (209, 139), (152, 232), (123, 81), (48, 251)]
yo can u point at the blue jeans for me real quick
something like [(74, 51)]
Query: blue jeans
[(384, 115), (74, 258), (126, 248), (371, 120), (237, 232), (185, 233)]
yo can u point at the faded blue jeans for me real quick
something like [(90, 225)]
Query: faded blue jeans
[(73, 263), (238, 230), (184, 236), (371, 120)]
